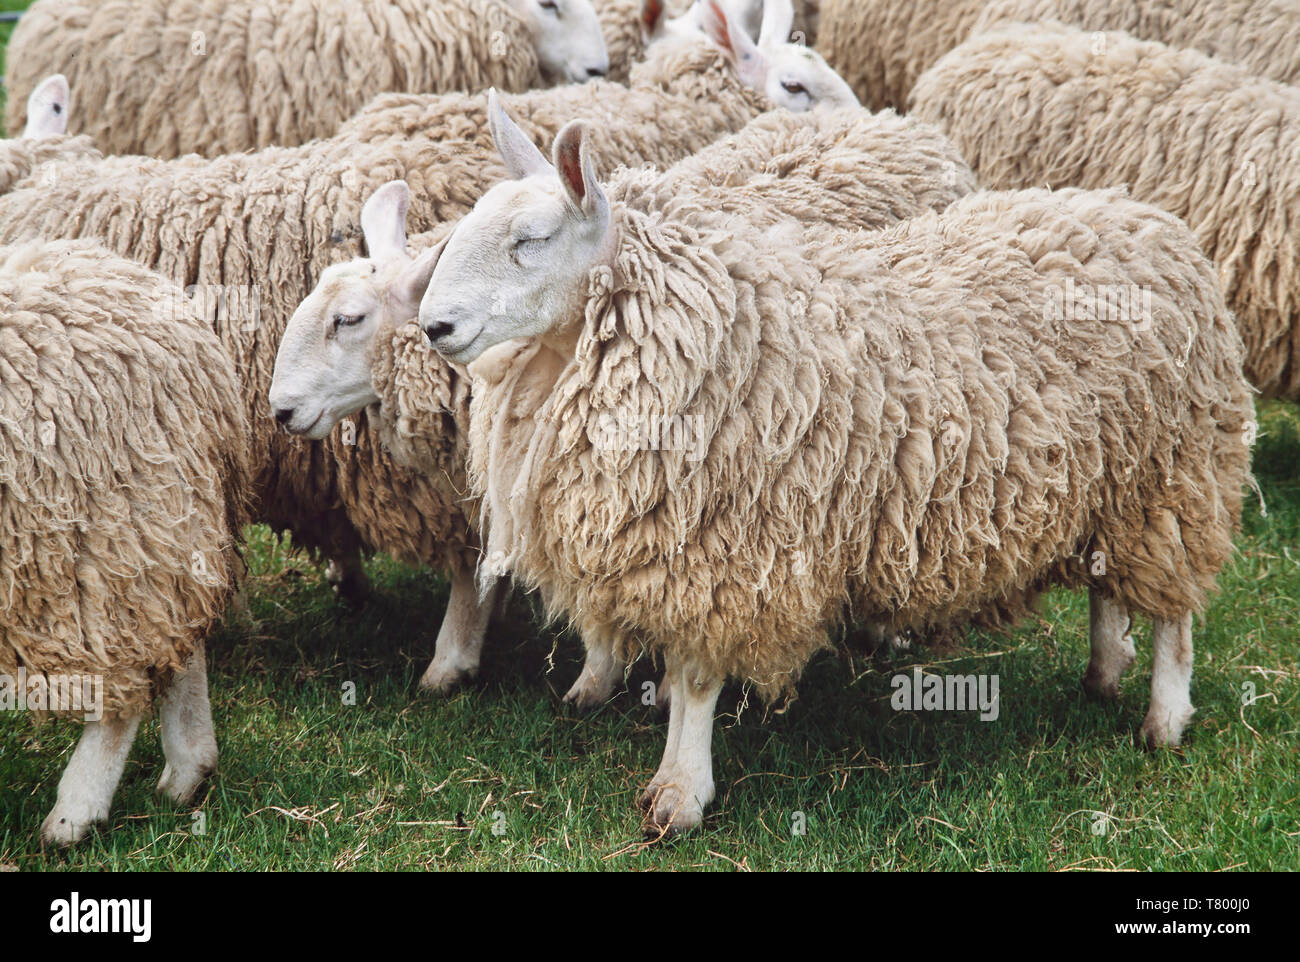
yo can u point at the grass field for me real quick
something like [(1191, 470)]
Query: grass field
[(500, 775)]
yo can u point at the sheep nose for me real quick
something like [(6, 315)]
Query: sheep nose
[(437, 330), (283, 415), (596, 71)]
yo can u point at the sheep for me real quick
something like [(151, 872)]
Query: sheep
[(895, 421), (1204, 140), (247, 74), (123, 468), (1261, 35), (44, 136), (248, 233), (846, 167), (882, 46)]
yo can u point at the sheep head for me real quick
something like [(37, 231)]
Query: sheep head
[(518, 264), (323, 368), (791, 75), (47, 108), (567, 36)]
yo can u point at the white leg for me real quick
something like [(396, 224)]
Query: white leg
[(88, 783), (460, 639), (1112, 646), (683, 786), (1171, 682), (189, 742), (347, 576), (601, 674)]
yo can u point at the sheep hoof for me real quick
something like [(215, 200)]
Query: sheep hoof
[(670, 811), (1099, 689), (442, 679), (586, 694), (180, 784), (63, 826), (1165, 729)]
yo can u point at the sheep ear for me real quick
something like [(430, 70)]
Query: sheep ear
[(521, 155), (577, 170), (47, 108), (652, 16), (730, 37), (383, 220), (414, 279), (778, 22)]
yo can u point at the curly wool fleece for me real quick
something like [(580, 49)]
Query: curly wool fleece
[(891, 421), (1205, 140), (123, 468), (242, 75)]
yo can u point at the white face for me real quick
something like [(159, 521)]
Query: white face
[(47, 108), (568, 39), (791, 75), (517, 265), (798, 79), (323, 368)]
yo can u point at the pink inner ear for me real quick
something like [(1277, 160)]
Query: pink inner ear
[(571, 170), (651, 11), (717, 27)]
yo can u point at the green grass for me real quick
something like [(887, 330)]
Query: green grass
[(403, 781)]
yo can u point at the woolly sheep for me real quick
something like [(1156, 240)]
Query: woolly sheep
[(891, 420), (882, 46), (44, 136), (846, 167), (123, 463), (249, 232), (1261, 35), (1203, 139), (244, 74)]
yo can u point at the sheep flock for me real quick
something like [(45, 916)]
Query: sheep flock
[(717, 329)]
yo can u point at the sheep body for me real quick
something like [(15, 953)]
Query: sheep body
[(260, 227), (209, 76), (1261, 35), (123, 469), (1205, 140), (19, 157), (881, 47), (918, 491)]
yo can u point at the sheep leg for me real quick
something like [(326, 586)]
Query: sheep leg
[(683, 786), (1112, 646), (1171, 682), (460, 639), (346, 574), (189, 741), (601, 674), (88, 783)]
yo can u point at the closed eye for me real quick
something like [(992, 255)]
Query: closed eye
[(549, 5), (347, 320), (529, 245)]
